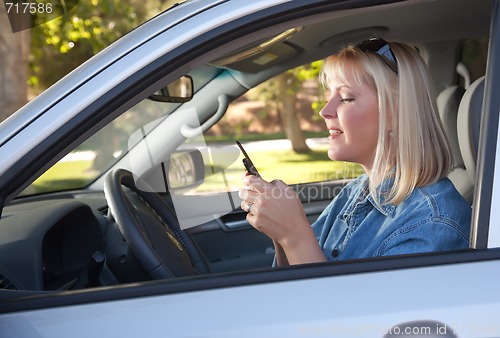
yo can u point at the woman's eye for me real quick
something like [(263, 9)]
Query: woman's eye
[(347, 100)]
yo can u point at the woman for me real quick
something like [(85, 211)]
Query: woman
[(382, 114)]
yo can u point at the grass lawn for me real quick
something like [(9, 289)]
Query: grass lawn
[(63, 176), (286, 165), (300, 168), (272, 164)]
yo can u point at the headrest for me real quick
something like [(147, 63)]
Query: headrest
[(468, 124), (448, 102)]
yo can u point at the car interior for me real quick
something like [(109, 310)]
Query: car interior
[(136, 218)]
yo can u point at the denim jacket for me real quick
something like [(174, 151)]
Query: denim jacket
[(432, 218)]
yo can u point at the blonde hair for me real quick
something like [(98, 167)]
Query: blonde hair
[(415, 152)]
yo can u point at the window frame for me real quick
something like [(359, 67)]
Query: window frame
[(484, 216)]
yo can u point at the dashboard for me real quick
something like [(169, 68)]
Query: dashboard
[(47, 243)]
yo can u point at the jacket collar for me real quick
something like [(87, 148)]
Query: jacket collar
[(386, 209)]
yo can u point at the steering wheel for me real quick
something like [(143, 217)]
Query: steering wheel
[(151, 229)]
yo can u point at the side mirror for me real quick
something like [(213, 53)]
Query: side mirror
[(186, 169), (178, 91)]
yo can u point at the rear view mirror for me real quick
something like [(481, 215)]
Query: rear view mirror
[(178, 91)]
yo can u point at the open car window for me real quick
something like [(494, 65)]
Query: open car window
[(280, 130)]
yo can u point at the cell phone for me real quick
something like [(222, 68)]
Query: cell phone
[(247, 162)]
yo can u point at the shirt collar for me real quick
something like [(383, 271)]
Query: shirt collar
[(386, 209)]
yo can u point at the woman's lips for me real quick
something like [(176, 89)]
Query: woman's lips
[(334, 133)]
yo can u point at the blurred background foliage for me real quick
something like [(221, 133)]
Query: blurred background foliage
[(60, 45)]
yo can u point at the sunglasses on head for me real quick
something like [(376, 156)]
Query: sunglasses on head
[(382, 48)]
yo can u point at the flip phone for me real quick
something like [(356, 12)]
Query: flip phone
[(247, 162)]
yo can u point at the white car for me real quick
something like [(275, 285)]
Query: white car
[(150, 241)]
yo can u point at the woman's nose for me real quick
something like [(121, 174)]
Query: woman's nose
[(328, 111)]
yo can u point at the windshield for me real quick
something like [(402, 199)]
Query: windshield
[(95, 156)]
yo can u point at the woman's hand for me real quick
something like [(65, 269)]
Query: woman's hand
[(275, 210)]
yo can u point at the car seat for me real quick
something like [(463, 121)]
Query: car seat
[(468, 125), (448, 102)]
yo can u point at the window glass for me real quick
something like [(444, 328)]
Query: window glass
[(474, 55), (278, 124), (95, 156)]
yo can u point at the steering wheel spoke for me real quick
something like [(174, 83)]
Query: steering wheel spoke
[(151, 230)]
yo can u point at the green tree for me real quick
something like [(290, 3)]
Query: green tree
[(14, 59), (280, 93), (62, 44)]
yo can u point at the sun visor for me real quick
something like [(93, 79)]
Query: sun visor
[(266, 54)]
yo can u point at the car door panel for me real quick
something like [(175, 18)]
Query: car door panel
[(230, 243), (235, 250), (309, 307)]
